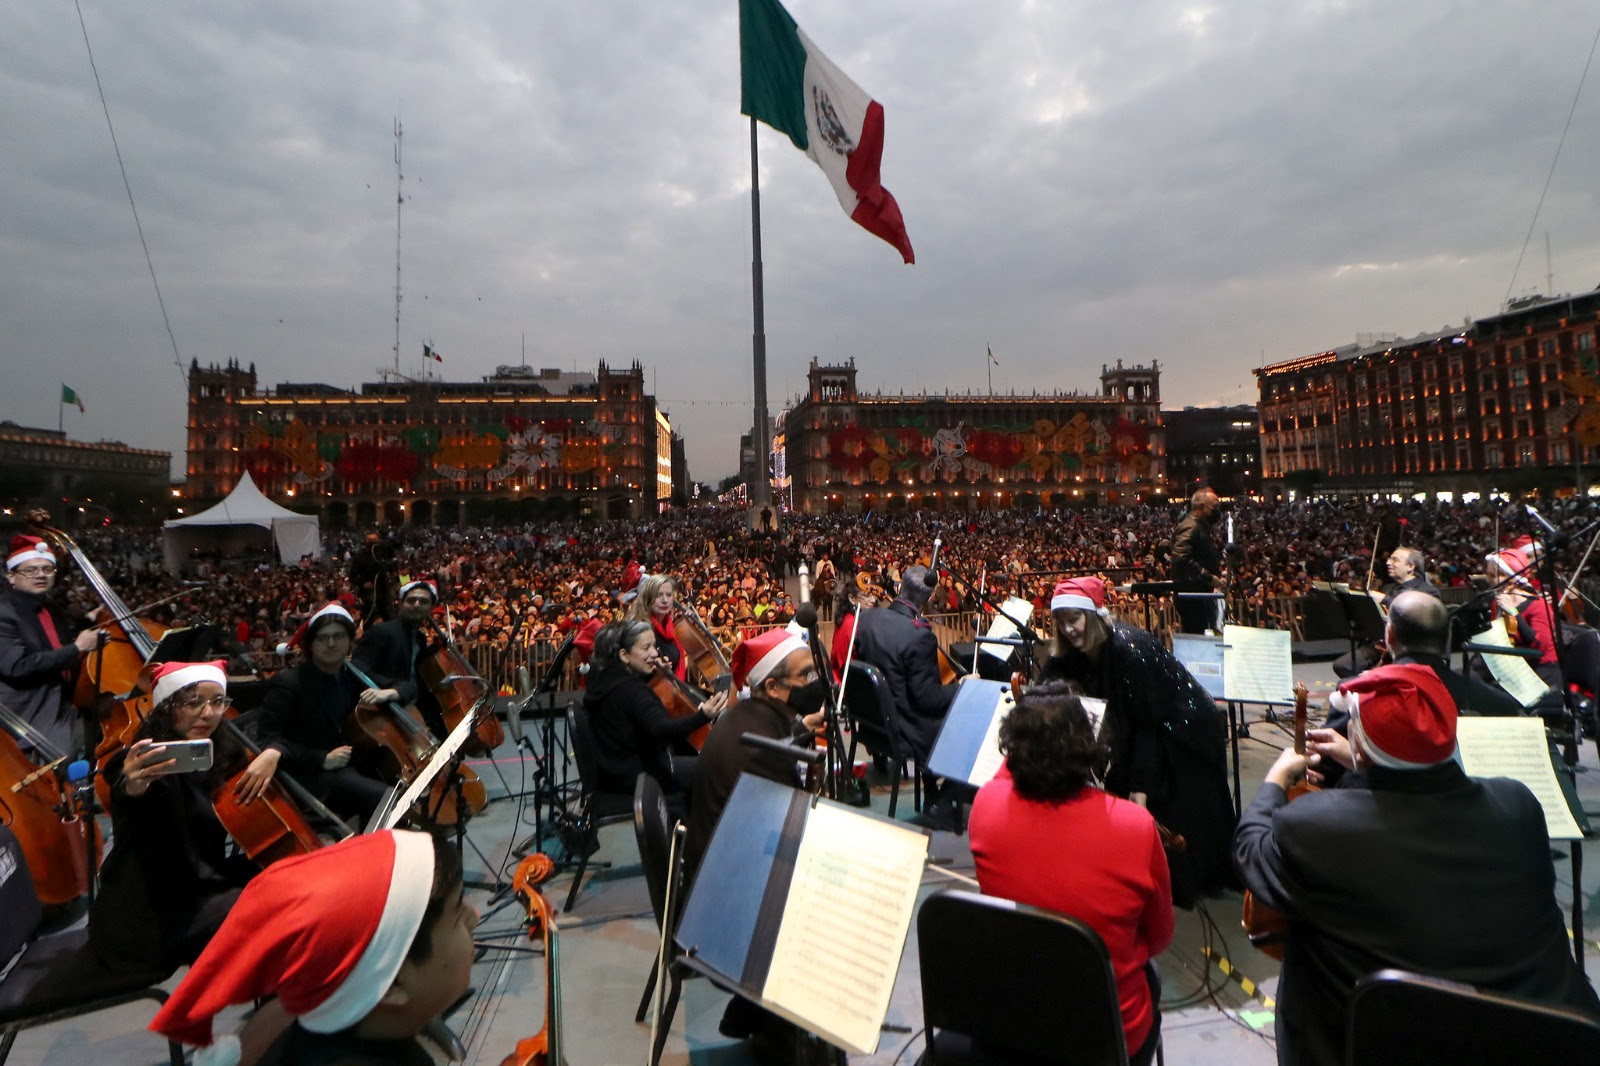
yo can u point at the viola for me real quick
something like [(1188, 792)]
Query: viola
[(544, 1047), (44, 814), (461, 692), (270, 827), (1266, 927), (408, 745), (681, 700)]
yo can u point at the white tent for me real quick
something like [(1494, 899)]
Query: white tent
[(245, 519)]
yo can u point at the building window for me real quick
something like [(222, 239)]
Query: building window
[(1586, 341), (1519, 375), (1547, 347), (1558, 451), (1491, 455)]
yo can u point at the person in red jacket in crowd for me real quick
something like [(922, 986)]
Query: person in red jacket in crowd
[(1044, 835)]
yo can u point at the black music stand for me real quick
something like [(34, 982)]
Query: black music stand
[(1363, 619), (549, 794)]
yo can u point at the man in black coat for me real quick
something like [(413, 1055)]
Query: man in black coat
[(785, 703), (1420, 868), (900, 643), (389, 652), (40, 652), (1196, 565)]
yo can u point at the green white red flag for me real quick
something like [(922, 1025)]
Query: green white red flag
[(790, 85)]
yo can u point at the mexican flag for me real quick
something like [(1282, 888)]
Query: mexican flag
[(790, 85), (68, 396), (430, 352)]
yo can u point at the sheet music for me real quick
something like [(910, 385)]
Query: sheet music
[(1256, 665), (1002, 628), (987, 764), (1516, 748), (1512, 671), (844, 924), (424, 780)]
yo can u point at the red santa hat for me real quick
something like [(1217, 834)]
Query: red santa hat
[(1401, 714), (308, 629), (760, 655), (27, 549), (1512, 563), (1079, 594), (327, 944), (420, 583), (171, 678)]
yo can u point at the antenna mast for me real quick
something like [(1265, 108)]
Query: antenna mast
[(399, 199)]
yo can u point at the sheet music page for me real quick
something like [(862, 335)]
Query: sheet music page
[(989, 759), (1516, 748), (1256, 666), (1512, 671), (424, 779), (844, 925), (1002, 627)]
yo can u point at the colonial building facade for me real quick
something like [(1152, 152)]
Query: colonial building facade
[(850, 452), (80, 480), (1216, 447), (1507, 402), (518, 444)]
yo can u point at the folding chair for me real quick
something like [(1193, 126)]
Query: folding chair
[(872, 725)]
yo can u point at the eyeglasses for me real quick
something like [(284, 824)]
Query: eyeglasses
[(200, 703), (35, 571)]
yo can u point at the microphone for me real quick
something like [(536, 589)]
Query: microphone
[(806, 618), (931, 579), (1556, 538), (79, 770)]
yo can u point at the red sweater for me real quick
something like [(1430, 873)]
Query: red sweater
[(1093, 856)]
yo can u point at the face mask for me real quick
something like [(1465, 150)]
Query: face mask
[(809, 698)]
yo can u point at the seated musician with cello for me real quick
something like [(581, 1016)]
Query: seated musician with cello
[(633, 730), (1044, 835), (390, 652), (169, 880), (304, 714), (1417, 867), (361, 964)]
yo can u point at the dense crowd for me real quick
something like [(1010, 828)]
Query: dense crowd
[(534, 583)]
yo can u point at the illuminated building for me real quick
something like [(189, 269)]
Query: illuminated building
[(75, 479), (854, 452), (519, 444)]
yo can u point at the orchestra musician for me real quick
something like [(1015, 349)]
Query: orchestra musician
[(304, 712), (1043, 835), (1195, 563), (1522, 603), (899, 641), (363, 943), (1417, 867), (389, 652), (169, 880), (633, 731), (1168, 742), (656, 603), (40, 651), (1405, 566)]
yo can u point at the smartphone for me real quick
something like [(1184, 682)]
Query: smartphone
[(192, 755)]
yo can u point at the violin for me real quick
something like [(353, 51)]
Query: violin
[(544, 1047), (43, 811), (408, 745), (1266, 927), (460, 692), (270, 827)]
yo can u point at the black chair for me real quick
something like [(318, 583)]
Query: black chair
[(872, 725), (36, 955), (1464, 1025), (652, 827), (1007, 983), (1580, 664), (595, 808)]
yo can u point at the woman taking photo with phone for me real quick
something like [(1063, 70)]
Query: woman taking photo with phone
[(167, 881)]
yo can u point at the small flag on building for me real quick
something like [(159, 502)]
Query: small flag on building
[(68, 396), (429, 352), (992, 359), (788, 83)]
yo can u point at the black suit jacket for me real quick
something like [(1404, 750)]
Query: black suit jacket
[(900, 643), (388, 653), (36, 679), (304, 713), (1426, 870), (724, 758)]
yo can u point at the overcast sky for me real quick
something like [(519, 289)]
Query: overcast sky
[(1203, 184)]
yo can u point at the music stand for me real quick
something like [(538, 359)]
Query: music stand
[(1363, 619)]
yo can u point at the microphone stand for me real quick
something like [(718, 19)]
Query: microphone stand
[(833, 736), (1030, 662)]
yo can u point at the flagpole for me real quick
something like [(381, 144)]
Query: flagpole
[(988, 365), (761, 491)]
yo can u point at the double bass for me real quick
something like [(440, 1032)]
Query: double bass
[(1266, 927), (544, 1047)]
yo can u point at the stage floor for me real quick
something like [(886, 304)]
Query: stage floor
[(609, 940)]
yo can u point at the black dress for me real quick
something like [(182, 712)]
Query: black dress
[(1167, 740)]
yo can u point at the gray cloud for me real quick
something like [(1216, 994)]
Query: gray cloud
[(1204, 184)]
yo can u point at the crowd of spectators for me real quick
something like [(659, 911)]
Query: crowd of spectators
[(534, 583)]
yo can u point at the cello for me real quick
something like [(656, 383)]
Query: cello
[(703, 651), (460, 692), (544, 1047), (40, 808), (409, 746), (270, 827), (1266, 927)]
